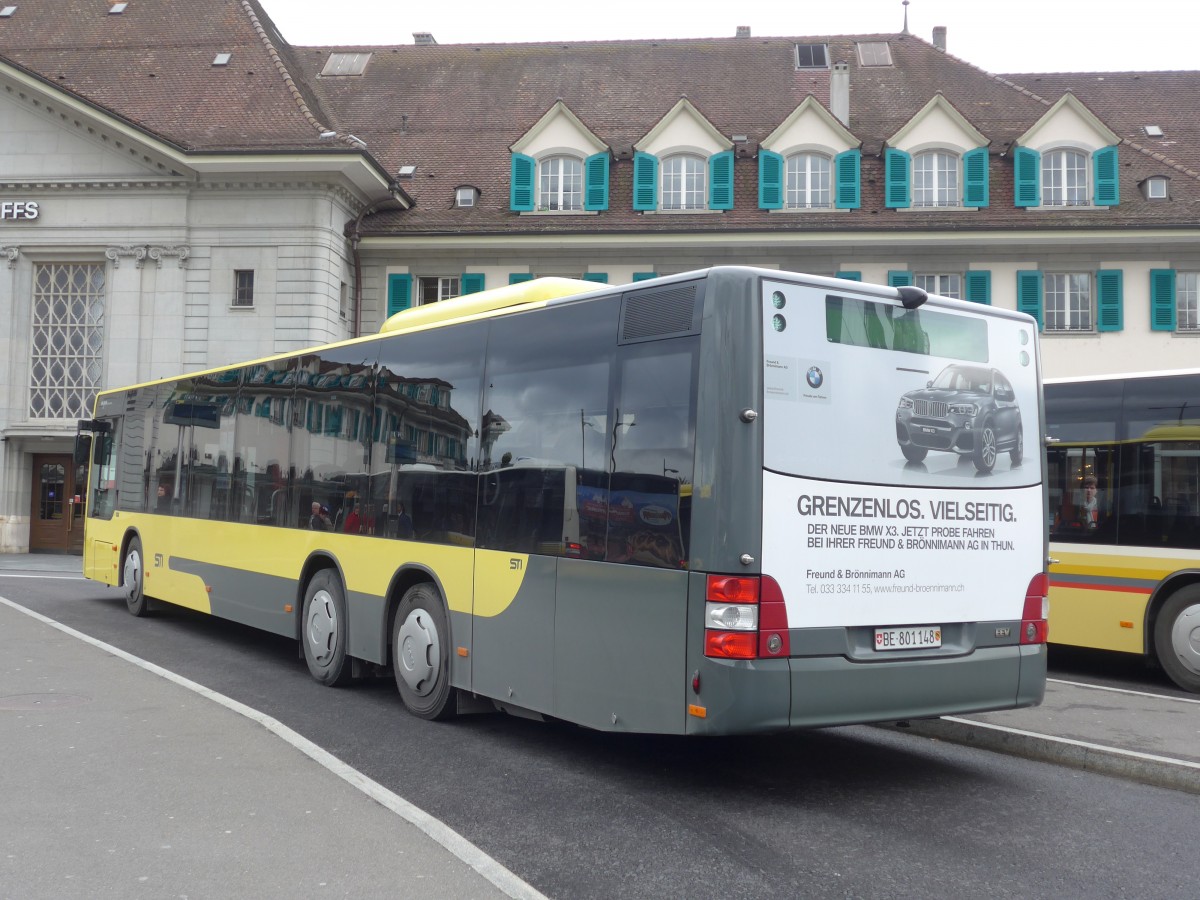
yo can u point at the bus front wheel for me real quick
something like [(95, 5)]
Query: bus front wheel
[(323, 629), (1177, 637), (421, 654), (133, 579)]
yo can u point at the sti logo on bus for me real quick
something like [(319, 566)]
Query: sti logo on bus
[(514, 563), (815, 377)]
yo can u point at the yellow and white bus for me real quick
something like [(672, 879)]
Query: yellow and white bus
[(700, 504), (1124, 484)]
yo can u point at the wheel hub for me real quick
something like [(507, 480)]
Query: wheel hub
[(133, 565), (322, 626), (418, 651), (1185, 638)]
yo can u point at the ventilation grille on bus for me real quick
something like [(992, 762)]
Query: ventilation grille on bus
[(671, 311)]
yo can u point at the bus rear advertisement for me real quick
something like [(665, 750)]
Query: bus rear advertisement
[(729, 501)]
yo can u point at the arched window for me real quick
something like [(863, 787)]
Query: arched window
[(935, 178), (807, 181), (560, 183), (1064, 178), (684, 182)]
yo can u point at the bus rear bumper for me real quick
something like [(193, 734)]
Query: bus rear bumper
[(835, 691)]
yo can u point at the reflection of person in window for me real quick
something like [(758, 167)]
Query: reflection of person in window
[(163, 504), (353, 519), (319, 520), (404, 523)]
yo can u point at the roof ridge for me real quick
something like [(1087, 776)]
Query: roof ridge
[(281, 67)]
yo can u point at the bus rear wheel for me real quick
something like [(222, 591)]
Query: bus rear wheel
[(323, 629), (421, 654), (1177, 637), (133, 579)]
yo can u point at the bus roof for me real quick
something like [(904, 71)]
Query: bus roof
[(526, 293)]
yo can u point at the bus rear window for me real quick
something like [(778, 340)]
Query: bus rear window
[(883, 326)]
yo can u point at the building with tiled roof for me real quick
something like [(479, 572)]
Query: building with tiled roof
[(183, 188)]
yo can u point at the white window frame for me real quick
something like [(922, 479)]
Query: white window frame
[(464, 197), (435, 288), (807, 181), (1187, 302), (1156, 188), (684, 182), (1067, 303), (946, 284), (560, 184), (935, 179), (1063, 183)]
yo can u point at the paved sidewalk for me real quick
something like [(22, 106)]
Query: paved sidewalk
[(119, 782)]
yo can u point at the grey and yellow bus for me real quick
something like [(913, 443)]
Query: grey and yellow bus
[(686, 506), (1124, 487)]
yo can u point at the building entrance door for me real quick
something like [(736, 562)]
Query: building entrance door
[(56, 518)]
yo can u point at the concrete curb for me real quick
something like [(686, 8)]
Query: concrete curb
[(1146, 768)]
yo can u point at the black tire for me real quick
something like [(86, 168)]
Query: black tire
[(133, 579), (984, 456), (324, 629), (913, 453), (1177, 637), (421, 654), (1018, 451)]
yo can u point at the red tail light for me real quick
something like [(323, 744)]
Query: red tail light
[(745, 618), (1034, 628)]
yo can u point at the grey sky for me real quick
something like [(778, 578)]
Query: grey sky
[(1014, 36)]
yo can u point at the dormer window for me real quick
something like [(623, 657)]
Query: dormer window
[(812, 56), (560, 183), (1064, 178), (1155, 188), (684, 185), (466, 196), (808, 181), (935, 178)]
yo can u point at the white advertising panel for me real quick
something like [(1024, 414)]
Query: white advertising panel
[(903, 472)]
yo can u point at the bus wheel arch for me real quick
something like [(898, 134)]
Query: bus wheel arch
[(1175, 632), (325, 626), (421, 642)]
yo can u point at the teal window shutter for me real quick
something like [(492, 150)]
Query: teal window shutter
[(849, 276), (977, 286), (975, 177), (1029, 294), (471, 283), (1027, 176), (595, 192), (1162, 300), (399, 293), (644, 276), (524, 168), (1104, 165), (897, 192), (519, 277), (847, 168), (720, 180), (599, 277), (899, 278), (1109, 304), (770, 180), (645, 181)]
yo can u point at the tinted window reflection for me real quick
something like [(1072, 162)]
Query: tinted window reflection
[(1160, 407), (1083, 412), (206, 408), (546, 444), (262, 448), (331, 428), (424, 445)]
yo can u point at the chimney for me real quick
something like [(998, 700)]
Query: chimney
[(423, 38), (839, 93), (743, 31), (939, 37)]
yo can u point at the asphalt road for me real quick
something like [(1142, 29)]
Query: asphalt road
[(849, 812)]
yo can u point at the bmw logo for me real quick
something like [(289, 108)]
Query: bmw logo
[(815, 377)]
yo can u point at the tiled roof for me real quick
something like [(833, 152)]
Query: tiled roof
[(454, 110), (153, 66)]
